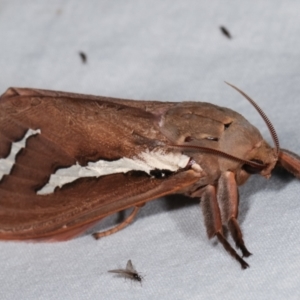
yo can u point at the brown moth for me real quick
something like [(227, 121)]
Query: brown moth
[(68, 160), (129, 272)]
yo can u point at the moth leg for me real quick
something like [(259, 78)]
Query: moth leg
[(228, 199), (213, 221), (127, 221)]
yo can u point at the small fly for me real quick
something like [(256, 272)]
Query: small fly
[(83, 57), (225, 32), (129, 272)]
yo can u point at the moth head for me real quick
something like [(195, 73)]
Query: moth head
[(265, 157), (262, 161), (252, 153)]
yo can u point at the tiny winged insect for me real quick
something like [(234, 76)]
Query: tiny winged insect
[(83, 57), (225, 31), (129, 272)]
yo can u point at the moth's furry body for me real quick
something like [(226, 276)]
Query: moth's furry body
[(80, 129)]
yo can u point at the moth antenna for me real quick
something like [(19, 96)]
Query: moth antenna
[(224, 154), (263, 115)]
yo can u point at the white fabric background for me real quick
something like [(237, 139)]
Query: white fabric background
[(164, 50)]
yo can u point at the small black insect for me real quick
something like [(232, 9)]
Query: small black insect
[(83, 57), (129, 272), (225, 32)]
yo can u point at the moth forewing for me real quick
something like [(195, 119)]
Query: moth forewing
[(129, 272)]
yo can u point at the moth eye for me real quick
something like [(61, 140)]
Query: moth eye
[(253, 169), (188, 139), (226, 126)]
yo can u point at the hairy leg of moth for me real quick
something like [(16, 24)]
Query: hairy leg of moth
[(213, 222), (228, 199), (127, 221)]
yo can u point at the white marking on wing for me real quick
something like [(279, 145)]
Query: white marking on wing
[(196, 167), (146, 161), (7, 163)]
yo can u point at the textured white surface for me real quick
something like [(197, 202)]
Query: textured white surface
[(164, 50)]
